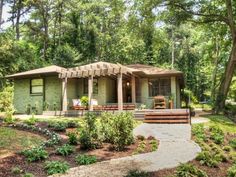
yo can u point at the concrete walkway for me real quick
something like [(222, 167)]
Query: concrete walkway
[(175, 147)]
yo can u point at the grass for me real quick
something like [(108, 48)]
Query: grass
[(13, 140), (223, 122)]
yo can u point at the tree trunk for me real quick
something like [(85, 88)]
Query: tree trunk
[(1, 9), (214, 73), (226, 79)]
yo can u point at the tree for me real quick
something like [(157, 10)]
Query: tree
[(215, 12)]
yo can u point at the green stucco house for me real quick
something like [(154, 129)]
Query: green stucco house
[(53, 87)]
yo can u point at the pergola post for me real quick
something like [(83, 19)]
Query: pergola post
[(120, 92), (64, 94), (90, 92), (133, 90)]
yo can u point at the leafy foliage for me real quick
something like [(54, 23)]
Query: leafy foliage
[(73, 139), (118, 129), (65, 150), (53, 167), (231, 172), (137, 173), (185, 170), (85, 159), (35, 154), (58, 126), (89, 134), (217, 134)]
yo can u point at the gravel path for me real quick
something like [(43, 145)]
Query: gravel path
[(175, 147)]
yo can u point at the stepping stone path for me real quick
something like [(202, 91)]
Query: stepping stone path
[(175, 147)]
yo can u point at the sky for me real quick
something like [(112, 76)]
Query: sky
[(5, 16)]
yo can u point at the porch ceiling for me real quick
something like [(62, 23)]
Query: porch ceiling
[(95, 69)]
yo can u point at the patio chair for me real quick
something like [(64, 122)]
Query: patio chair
[(159, 102)]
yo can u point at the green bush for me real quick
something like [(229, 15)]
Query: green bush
[(210, 160), (89, 134), (198, 131), (231, 172), (65, 150), (85, 159), (58, 126), (187, 170), (30, 121), (35, 154), (72, 124), (123, 125), (117, 129), (6, 103), (154, 145), (141, 148), (73, 139), (53, 167), (106, 131), (137, 173), (232, 143), (217, 134)]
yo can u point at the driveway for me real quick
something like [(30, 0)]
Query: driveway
[(175, 147)]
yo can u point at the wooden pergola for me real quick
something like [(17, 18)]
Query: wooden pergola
[(98, 69)]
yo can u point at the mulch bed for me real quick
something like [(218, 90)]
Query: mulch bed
[(106, 152)]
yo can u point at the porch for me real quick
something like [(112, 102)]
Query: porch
[(117, 87)]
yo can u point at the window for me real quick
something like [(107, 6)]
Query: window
[(159, 87), (95, 86), (36, 86)]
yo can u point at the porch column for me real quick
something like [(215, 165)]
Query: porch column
[(64, 94), (133, 90), (173, 90), (120, 92), (90, 92)]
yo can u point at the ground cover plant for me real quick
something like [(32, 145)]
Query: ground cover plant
[(53, 167)]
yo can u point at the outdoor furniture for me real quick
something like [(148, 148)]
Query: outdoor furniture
[(77, 105), (113, 107), (159, 102)]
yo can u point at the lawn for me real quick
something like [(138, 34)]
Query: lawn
[(13, 140)]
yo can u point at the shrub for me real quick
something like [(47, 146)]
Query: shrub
[(210, 160), (217, 135), (232, 143), (72, 124), (154, 145), (106, 131), (137, 173), (231, 172), (65, 150), (186, 170), (35, 154), (53, 167), (89, 136), (141, 147), (30, 121), (122, 125), (85, 159), (73, 138), (58, 126), (198, 131)]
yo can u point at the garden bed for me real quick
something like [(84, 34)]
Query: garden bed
[(218, 148), (75, 155)]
